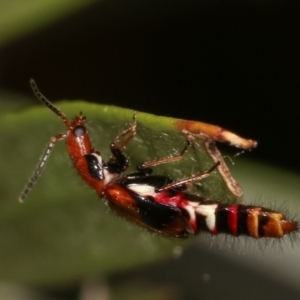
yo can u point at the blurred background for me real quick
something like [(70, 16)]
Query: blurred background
[(230, 63)]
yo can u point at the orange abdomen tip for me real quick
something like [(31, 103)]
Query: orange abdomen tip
[(289, 226)]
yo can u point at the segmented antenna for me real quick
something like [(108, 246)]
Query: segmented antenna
[(38, 170), (47, 103), (36, 174)]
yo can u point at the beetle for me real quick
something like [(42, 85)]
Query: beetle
[(155, 202)]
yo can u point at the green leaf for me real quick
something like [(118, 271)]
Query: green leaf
[(63, 232)]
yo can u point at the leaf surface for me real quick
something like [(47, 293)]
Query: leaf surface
[(63, 231)]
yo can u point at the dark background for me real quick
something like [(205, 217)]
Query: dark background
[(230, 63)]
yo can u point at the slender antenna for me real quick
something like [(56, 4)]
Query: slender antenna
[(41, 164), (46, 102), (36, 174)]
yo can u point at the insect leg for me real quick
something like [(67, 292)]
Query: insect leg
[(129, 133), (36, 174), (196, 177), (165, 160), (118, 161)]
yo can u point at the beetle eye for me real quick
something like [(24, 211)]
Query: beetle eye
[(79, 131)]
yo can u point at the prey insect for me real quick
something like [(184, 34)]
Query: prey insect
[(155, 202)]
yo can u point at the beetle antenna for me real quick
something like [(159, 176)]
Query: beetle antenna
[(47, 103), (40, 166)]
